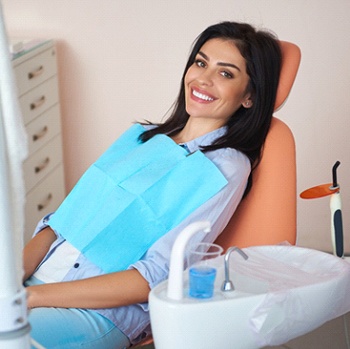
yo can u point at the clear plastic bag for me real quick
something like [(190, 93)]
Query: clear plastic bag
[(305, 289)]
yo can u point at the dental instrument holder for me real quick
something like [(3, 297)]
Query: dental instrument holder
[(333, 190), (14, 313), (227, 285)]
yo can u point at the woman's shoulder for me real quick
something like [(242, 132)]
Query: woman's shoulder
[(231, 162)]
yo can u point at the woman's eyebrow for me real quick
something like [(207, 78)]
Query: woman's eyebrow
[(223, 64)]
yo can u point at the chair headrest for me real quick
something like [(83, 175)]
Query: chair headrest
[(291, 56)]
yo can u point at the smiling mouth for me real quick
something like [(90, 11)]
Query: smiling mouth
[(202, 96)]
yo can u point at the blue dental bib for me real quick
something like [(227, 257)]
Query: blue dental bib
[(132, 195)]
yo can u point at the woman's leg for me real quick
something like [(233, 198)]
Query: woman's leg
[(58, 328)]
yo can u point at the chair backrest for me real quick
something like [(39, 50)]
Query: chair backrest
[(267, 215)]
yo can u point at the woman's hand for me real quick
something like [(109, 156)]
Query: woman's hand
[(31, 296)]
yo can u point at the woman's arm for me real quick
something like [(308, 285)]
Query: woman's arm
[(105, 291), (36, 249)]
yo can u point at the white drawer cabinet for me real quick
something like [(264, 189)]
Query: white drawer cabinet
[(36, 74)]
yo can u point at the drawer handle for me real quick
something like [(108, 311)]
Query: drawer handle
[(38, 103), (40, 134), (42, 166), (45, 203), (33, 74)]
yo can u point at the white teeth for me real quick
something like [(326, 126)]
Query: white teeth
[(202, 96)]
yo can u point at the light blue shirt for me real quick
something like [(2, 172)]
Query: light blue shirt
[(134, 320)]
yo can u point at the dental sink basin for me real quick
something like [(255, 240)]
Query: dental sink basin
[(281, 292)]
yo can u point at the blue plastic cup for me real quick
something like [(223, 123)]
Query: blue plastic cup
[(202, 261), (201, 282)]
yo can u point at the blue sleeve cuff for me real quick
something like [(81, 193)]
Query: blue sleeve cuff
[(43, 223)]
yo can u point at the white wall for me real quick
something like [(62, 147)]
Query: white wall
[(122, 60)]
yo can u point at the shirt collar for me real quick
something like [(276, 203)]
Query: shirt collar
[(202, 141), (206, 139)]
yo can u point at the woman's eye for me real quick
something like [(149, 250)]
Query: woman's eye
[(199, 63), (227, 74)]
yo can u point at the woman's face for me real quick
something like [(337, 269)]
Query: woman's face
[(216, 83)]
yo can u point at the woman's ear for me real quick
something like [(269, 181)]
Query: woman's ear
[(248, 103)]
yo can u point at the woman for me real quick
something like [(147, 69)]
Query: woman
[(223, 111)]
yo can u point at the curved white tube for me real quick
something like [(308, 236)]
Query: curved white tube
[(175, 281)]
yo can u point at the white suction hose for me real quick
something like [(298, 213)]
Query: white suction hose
[(175, 281)]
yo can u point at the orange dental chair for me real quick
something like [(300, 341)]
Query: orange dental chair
[(267, 216)]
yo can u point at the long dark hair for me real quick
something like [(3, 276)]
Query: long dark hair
[(248, 127)]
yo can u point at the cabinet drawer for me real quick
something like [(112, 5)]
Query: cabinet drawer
[(36, 101), (43, 128), (42, 162), (35, 70), (43, 199)]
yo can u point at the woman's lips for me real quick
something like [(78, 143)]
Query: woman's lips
[(201, 96)]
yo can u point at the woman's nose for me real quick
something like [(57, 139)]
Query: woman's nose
[(206, 77)]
